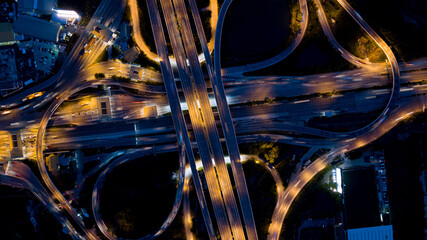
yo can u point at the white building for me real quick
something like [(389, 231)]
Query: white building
[(65, 16)]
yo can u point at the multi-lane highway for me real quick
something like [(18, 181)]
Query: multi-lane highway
[(275, 119), (135, 20), (227, 125), (207, 114), (177, 115)]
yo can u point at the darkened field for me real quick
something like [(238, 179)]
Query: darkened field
[(138, 196), (254, 30)]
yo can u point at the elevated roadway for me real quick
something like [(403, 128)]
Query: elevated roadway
[(178, 118), (196, 121), (362, 136), (400, 113), (208, 118), (226, 120)]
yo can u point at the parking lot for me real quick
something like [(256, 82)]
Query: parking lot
[(8, 71), (45, 55)]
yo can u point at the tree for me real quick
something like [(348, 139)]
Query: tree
[(270, 152), (99, 75), (125, 220)]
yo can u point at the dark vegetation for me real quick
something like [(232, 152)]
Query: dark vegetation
[(70, 41), (176, 230), (262, 191), (315, 201), (314, 54), (284, 156), (145, 24), (99, 75), (147, 35), (120, 78), (288, 161), (268, 151), (401, 24), (254, 31), (15, 218), (103, 57), (138, 196), (115, 52), (143, 61), (349, 34), (202, 3)]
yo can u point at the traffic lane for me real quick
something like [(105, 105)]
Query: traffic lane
[(209, 120)]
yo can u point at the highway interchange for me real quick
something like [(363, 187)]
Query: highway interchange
[(209, 129)]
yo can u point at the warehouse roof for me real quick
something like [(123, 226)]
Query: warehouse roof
[(371, 233), (37, 28), (37, 6), (6, 32)]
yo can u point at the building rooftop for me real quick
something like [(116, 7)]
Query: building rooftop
[(8, 71), (371, 233), (64, 16), (131, 54), (102, 32), (43, 7), (6, 32), (37, 28)]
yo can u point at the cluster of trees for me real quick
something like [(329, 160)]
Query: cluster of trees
[(267, 100), (99, 75), (295, 24), (120, 78), (367, 48), (266, 150)]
